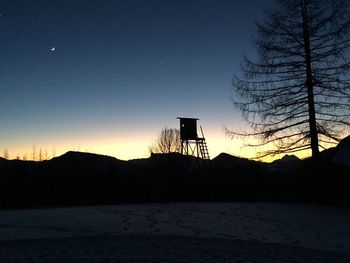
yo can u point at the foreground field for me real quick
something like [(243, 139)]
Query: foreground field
[(214, 232)]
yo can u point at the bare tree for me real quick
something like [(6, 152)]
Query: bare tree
[(6, 154), (40, 155), (34, 153), (295, 95), (168, 141)]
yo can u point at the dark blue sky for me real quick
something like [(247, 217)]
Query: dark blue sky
[(120, 71)]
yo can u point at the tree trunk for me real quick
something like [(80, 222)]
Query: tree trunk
[(309, 84)]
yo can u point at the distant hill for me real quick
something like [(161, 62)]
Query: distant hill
[(287, 162), (75, 163), (227, 161), (159, 159), (289, 158), (89, 159), (341, 153), (171, 162), (338, 155)]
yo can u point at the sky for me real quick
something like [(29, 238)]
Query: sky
[(105, 76)]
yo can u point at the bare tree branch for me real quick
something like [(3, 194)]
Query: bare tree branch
[(168, 141), (296, 94)]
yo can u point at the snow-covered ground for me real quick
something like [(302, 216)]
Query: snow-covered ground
[(305, 226)]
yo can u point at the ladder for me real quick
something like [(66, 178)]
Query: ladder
[(203, 147)]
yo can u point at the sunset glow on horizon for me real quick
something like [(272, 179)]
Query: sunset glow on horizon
[(107, 76), (127, 147)]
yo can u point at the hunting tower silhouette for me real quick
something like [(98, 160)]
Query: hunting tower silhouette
[(191, 144)]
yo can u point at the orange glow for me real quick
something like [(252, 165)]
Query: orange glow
[(132, 146), (123, 146), (236, 147)]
